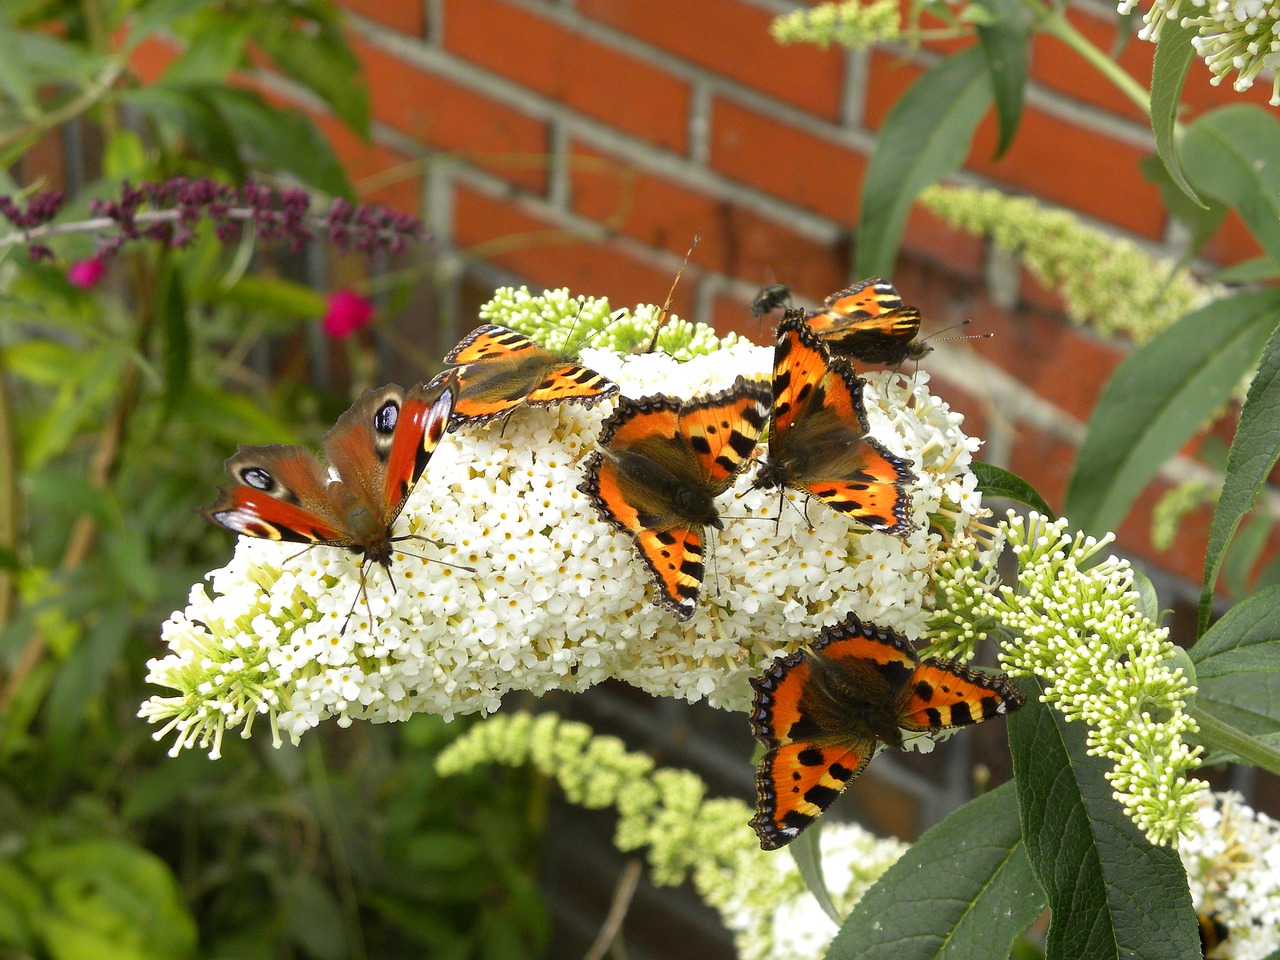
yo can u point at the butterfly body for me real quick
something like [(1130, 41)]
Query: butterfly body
[(498, 369), (818, 436), (822, 712), (870, 323), (377, 451), (661, 465)]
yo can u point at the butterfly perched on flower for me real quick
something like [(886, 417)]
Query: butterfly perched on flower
[(498, 369), (869, 322), (821, 713), (818, 442), (661, 465), (377, 451)]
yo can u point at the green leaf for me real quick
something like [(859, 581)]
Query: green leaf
[(125, 157), (172, 307), (1006, 42), (1254, 451), (1245, 640), (272, 295), (211, 55), (926, 136), (1242, 555), (1148, 600), (285, 139), (988, 898), (190, 116), (1158, 398), (83, 677), (995, 481), (1202, 217), (806, 850), (15, 80), (314, 917), (1174, 54), (1257, 270), (1230, 153), (1113, 894), (159, 15)]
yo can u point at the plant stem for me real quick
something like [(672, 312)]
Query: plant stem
[(72, 108), (1055, 23), (1218, 733), (9, 503)]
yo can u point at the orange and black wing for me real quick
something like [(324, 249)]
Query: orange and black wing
[(723, 429), (946, 693), (869, 322), (864, 300), (491, 342), (796, 783), (818, 441)]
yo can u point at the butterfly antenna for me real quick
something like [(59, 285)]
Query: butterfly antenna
[(295, 556), (582, 303), (662, 317), (418, 536), (362, 592), (962, 323)]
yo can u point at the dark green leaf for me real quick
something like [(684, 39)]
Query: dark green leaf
[(315, 919), (83, 677), (806, 850), (1174, 54), (1242, 555), (1113, 894), (1201, 220), (211, 55), (988, 899), (995, 481), (1230, 153), (191, 117), (1159, 397), (286, 139), (1006, 41), (1253, 453), (925, 137), (1245, 640)]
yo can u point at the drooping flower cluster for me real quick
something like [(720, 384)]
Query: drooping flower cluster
[(1232, 858), (559, 599), (853, 25), (1079, 628), (761, 897), (1239, 35), (1109, 283), (168, 212)]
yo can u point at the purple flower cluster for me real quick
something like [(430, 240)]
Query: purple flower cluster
[(40, 210), (169, 212)]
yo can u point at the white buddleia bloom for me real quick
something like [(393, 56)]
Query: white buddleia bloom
[(559, 599), (1232, 857)]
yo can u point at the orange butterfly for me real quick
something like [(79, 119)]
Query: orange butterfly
[(498, 369), (822, 712), (818, 440), (662, 462), (869, 322)]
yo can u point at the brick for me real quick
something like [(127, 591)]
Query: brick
[(404, 16), (1233, 243), (437, 112), (731, 39), (549, 256), (591, 78), (930, 239), (791, 164), (379, 174), (734, 241), (1060, 68), (1101, 179), (151, 58)]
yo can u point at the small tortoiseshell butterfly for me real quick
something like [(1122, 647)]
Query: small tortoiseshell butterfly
[(821, 713), (869, 322), (377, 451), (662, 462), (818, 440), (498, 369)]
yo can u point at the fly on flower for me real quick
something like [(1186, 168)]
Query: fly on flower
[(377, 451)]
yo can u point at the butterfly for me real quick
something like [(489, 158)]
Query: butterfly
[(498, 369), (869, 322), (661, 464), (377, 451), (821, 713), (818, 440), (770, 298)]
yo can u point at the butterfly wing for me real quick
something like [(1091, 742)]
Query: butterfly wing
[(571, 383), (865, 299), (796, 783), (946, 693), (869, 322), (818, 441), (491, 342), (280, 493), (723, 429)]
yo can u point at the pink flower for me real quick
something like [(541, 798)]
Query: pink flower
[(346, 313), (85, 274)]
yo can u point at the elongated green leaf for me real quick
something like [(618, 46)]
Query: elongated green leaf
[(1253, 453), (1230, 153), (15, 80), (1245, 640), (191, 115), (1173, 56), (1113, 894), (925, 137), (1148, 600), (1159, 397), (806, 850), (1242, 556), (1257, 270), (1006, 42), (988, 898), (995, 481), (1201, 216)]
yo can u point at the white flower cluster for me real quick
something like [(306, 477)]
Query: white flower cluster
[(1232, 857), (559, 600), (1239, 35), (1078, 627)]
